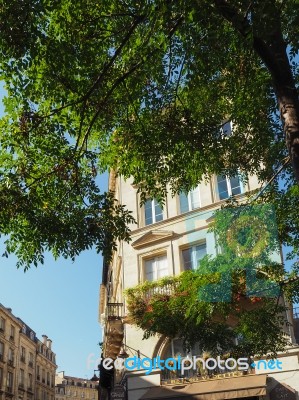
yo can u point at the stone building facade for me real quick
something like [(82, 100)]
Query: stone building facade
[(165, 242), (22, 358), (72, 388)]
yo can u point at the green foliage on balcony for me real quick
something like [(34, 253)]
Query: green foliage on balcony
[(171, 307), (236, 294)]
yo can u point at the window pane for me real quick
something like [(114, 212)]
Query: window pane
[(187, 258), (194, 196), (158, 211), (235, 185), (184, 205), (162, 267), (148, 212), (199, 252), (149, 270), (222, 187), (226, 129)]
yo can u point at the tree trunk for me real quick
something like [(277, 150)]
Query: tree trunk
[(270, 46), (275, 57)]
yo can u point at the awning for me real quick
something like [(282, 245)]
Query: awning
[(217, 389)]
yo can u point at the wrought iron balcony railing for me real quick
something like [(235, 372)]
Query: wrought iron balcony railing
[(114, 311)]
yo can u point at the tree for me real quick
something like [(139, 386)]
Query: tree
[(144, 88)]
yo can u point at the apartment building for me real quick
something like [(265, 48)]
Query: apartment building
[(22, 357), (70, 387), (165, 242), (45, 369)]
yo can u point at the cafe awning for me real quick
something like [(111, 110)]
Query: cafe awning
[(217, 389)]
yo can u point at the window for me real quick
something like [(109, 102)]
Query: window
[(30, 380), (24, 329), (31, 335), (12, 332), (30, 359), (10, 355), (226, 129), (153, 212), (228, 186), (1, 351), (156, 268), (193, 255), (23, 354), (9, 381), (21, 378), (189, 201), (1, 377), (2, 324)]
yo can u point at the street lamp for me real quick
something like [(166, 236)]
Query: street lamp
[(96, 378), (124, 354)]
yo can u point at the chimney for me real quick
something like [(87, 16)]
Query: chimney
[(45, 337), (49, 343)]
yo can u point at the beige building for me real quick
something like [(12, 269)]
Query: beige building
[(166, 242), (45, 369), (71, 388), (22, 357)]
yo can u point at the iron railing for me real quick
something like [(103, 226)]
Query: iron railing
[(114, 311)]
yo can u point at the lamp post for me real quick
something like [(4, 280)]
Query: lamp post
[(96, 378)]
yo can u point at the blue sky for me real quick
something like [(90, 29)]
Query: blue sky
[(59, 299)]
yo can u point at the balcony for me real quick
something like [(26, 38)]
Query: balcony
[(11, 338), (10, 363), (21, 386), (114, 329), (174, 306), (30, 390), (201, 374)]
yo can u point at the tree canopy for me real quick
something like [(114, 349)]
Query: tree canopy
[(143, 88)]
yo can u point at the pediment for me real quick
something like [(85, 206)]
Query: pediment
[(152, 237)]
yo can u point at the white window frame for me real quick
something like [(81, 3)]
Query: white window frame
[(153, 212), (194, 262), (191, 204), (229, 188), (155, 260)]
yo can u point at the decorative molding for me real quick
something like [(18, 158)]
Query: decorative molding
[(152, 237)]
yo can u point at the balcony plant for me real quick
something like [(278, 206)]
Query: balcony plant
[(224, 298)]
